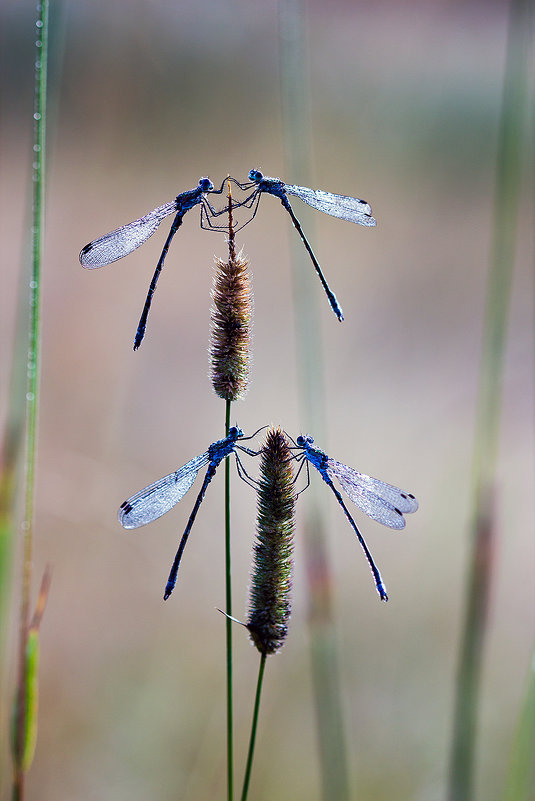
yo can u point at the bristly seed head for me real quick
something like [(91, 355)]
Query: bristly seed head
[(231, 328), (271, 583)]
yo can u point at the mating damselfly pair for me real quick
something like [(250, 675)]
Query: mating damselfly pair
[(382, 502), (127, 238)]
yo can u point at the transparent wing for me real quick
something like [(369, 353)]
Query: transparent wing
[(125, 239), (380, 501), (155, 500), (347, 208)]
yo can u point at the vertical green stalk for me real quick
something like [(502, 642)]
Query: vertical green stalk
[(520, 784), (324, 658), (228, 602), (32, 385), (254, 725), (231, 319), (230, 341), (228, 571), (10, 453), (508, 184)]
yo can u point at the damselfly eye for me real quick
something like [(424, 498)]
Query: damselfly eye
[(300, 441), (206, 185), (256, 176)]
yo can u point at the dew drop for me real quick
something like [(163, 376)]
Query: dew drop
[(37, 116)]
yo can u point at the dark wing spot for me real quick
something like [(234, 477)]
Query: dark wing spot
[(403, 495), (87, 248), (126, 507), (397, 510)]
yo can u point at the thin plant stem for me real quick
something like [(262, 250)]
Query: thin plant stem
[(230, 315), (228, 605), (507, 192), (254, 724), (33, 374), (231, 234), (10, 456), (228, 567), (324, 656), (520, 785)]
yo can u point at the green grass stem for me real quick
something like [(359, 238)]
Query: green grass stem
[(33, 375), (520, 784), (228, 607), (250, 753), (506, 202), (310, 375), (10, 458)]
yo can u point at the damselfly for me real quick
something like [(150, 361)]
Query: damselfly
[(155, 500), (127, 238), (380, 501), (347, 208)]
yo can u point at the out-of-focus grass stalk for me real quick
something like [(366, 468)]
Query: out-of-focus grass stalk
[(521, 779), (32, 391), (506, 201), (10, 457), (31, 676), (324, 659)]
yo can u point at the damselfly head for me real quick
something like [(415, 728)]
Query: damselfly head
[(306, 440), (256, 176), (235, 432), (206, 185)]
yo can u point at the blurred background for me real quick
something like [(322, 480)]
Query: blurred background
[(144, 99)]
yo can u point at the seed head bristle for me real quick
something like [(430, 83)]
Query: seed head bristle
[(269, 604), (231, 328)]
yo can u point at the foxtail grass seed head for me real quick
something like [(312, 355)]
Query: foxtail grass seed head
[(231, 327), (269, 605)]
